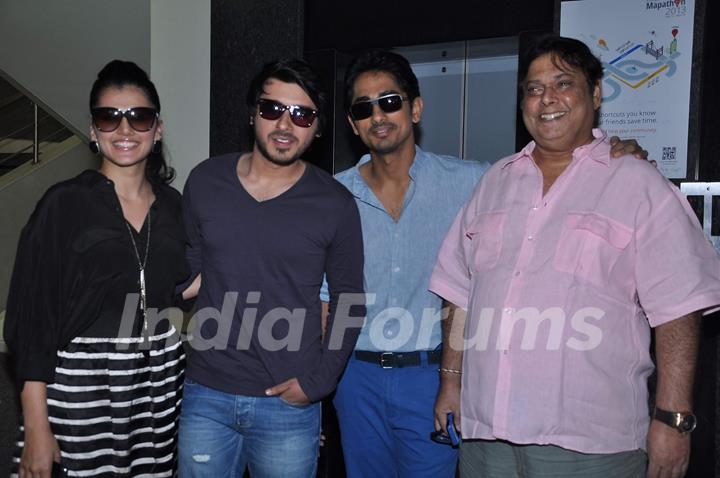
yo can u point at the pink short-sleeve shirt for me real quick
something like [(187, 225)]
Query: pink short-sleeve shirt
[(561, 292)]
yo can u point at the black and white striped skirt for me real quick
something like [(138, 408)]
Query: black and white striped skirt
[(115, 404)]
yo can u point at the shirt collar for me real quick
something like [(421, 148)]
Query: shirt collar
[(590, 150), (93, 178), (359, 187), (96, 180)]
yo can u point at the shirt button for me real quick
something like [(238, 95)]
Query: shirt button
[(508, 310), (531, 237), (534, 208), (397, 234), (396, 269)]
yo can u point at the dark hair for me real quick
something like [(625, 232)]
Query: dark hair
[(386, 62), (289, 70), (119, 74), (565, 51)]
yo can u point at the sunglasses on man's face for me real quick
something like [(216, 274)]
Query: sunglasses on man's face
[(387, 103), (140, 119), (272, 110)]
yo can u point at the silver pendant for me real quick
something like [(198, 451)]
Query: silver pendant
[(143, 301), (143, 298)]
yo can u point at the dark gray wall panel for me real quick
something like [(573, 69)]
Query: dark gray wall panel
[(245, 35), (381, 23)]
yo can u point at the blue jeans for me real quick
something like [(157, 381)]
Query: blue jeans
[(386, 417), (220, 433)]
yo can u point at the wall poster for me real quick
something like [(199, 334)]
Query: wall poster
[(646, 50)]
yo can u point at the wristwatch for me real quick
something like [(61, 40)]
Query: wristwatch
[(683, 422)]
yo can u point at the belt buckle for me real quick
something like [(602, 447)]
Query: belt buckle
[(383, 356)]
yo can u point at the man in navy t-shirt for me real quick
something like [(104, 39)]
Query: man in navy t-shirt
[(263, 227)]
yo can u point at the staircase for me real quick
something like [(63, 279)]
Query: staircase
[(22, 123), (38, 148)]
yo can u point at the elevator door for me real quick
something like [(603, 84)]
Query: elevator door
[(469, 92)]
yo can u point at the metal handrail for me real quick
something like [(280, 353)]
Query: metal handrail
[(39, 117), (44, 106), (35, 146), (41, 112), (13, 134)]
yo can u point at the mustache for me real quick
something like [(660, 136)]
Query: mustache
[(384, 124), (283, 135)]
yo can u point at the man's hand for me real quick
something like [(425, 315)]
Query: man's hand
[(448, 397), (668, 451), (676, 348), (192, 290), (290, 391), (627, 146), (448, 400)]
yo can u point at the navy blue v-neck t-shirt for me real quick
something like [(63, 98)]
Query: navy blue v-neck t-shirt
[(262, 264)]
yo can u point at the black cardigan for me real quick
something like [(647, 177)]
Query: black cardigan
[(75, 264)]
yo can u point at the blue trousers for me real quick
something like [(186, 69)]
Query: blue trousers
[(386, 417), (220, 433)]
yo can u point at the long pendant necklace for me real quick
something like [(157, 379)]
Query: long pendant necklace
[(141, 265)]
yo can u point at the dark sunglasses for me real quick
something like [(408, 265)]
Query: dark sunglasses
[(108, 119), (388, 103), (271, 110)]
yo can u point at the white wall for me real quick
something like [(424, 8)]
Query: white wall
[(180, 68), (55, 49)]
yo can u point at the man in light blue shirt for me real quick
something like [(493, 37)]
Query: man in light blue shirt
[(407, 199), (403, 316)]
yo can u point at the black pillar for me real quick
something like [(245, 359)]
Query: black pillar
[(245, 35)]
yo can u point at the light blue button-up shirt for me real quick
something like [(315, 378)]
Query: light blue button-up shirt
[(402, 315)]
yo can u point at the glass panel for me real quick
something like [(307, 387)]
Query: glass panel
[(491, 108), (470, 97), (440, 69), (491, 98)]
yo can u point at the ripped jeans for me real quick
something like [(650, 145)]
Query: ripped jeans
[(221, 433)]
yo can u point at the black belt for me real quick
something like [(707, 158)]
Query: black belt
[(398, 359)]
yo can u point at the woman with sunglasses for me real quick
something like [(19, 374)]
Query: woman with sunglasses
[(99, 375)]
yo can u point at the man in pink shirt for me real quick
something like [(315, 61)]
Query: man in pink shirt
[(564, 258)]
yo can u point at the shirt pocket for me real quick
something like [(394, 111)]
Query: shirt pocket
[(172, 242), (485, 235), (94, 236), (590, 245)]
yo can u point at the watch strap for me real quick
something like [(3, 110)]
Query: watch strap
[(683, 422)]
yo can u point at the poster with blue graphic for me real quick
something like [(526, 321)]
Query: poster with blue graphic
[(646, 51)]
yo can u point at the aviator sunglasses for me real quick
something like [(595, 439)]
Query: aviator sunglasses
[(271, 110), (108, 119), (388, 103)]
